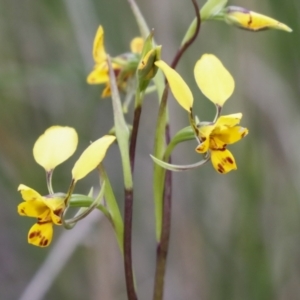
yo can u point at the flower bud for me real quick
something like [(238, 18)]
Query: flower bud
[(250, 20)]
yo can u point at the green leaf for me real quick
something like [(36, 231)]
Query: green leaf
[(112, 207), (212, 8), (122, 131)]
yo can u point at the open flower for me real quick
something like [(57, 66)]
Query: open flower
[(215, 138), (47, 210), (52, 148), (123, 65), (217, 84)]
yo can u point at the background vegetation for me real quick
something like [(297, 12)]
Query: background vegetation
[(234, 236)]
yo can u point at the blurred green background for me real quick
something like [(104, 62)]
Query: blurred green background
[(234, 236)]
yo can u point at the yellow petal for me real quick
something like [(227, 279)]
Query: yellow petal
[(54, 203), (106, 91), (56, 217), (98, 76), (91, 157), (99, 53), (179, 88), (35, 209), (40, 234), (29, 194), (136, 45), (231, 135), (56, 206), (204, 136), (223, 161), (229, 120), (213, 79), (55, 146), (251, 20)]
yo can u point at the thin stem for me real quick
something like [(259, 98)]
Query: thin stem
[(127, 245), (134, 133), (49, 181), (129, 202), (163, 246)]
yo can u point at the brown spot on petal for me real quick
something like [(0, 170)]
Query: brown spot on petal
[(44, 242), (250, 20), (229, 159), (34, 234), (58, 212), (44, 222), (244, 133), (23, 211), (221, 168)]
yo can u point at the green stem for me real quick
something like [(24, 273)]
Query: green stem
[(131, 294), (122, 134), (162, 247), (49, 181)]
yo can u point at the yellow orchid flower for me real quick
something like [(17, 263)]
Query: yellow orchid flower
[(47, 210), (215, 138), (124, 69), (211, 76), (251, 20), (52, 148)]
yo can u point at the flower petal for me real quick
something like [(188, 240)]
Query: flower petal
[(106, 91), (223, 161), (229, 120), (35, 209), (40, 234), (91, 157), (213, 79), (204, 136), (98, 76), (136, 45), (55, 146), (29, 194), (231, 135), (99, 53), (179, 88)]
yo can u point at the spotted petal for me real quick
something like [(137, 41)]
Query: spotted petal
[(34, 209), (223, 161), (231, 135), (40, 234)]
